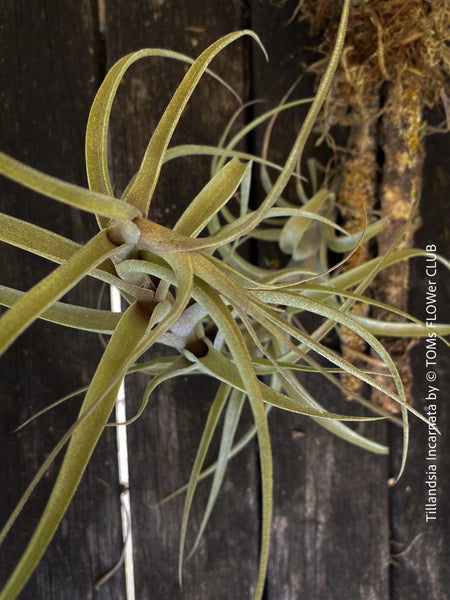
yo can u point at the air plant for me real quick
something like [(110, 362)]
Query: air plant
[(195, 294)]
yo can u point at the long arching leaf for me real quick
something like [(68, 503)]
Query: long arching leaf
[(141, 192)]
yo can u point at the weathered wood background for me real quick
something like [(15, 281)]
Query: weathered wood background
[(339, 531)]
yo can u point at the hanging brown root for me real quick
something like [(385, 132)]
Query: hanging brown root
[(402, 143), (356, 200)]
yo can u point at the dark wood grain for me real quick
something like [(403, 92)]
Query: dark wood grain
[(49, 75), (163, 442), (331, 524)]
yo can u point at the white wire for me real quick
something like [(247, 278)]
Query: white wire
[(122, 461)]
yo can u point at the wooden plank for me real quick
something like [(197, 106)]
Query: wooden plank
[(331, 530), (163, 442), (421, 548), (49, 74)]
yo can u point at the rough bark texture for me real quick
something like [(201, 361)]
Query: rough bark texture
[(403, 147), (356, 201)]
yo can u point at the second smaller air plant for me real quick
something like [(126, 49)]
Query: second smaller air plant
[(189, 288)]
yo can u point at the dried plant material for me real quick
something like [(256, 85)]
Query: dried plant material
[(387, 40)]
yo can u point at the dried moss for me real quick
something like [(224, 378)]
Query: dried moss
[(387, 41)]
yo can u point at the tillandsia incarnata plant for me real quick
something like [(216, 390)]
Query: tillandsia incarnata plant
[(223, 316)]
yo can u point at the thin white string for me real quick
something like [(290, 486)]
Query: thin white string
[(122, 461)]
